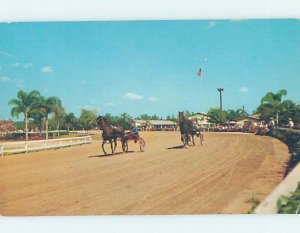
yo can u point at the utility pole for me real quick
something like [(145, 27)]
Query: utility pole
[(220, 90)]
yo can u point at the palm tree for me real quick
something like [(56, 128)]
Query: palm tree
[(25, 103), (37, 115), (47, 106), (273, 100), (59, 116)]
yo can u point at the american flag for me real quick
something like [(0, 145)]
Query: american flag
[(199, 73)]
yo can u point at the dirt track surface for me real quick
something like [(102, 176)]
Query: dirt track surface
[(219, 177)]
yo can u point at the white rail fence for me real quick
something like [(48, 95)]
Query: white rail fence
[(28, 146), (286, 188)]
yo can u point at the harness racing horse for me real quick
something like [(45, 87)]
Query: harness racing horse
[(110, 133), (186, 128)]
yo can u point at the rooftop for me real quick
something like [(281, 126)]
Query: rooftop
[(156, 122)]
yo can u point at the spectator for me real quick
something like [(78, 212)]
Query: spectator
[(291, 123), (271, 123)]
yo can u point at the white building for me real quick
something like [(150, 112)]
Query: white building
[(159, 125), (201, 120)]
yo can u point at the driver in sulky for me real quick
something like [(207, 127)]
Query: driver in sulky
[(135, 131)]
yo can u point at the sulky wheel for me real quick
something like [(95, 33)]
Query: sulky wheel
[(201, 139), (125, 146), (142, 144)]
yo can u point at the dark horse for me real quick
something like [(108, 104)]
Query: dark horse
[(110, 133), (186, 128)]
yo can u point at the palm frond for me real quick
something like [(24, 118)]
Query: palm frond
[(15, 112), (268, 98), (15, 102)]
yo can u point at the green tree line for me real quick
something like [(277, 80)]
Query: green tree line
[(47, 112), (271, 105)]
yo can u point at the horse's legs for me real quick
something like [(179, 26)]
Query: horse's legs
[(111, 146), (187, 137), (182, 139), (103, 142), (193, 141), (115, 144)]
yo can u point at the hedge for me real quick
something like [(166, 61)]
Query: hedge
[(289, 204), (292, 139)]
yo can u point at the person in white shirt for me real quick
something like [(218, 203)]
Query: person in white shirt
[(271, 123), (291, 123)]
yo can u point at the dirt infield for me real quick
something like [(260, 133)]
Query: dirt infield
[(219, 177)]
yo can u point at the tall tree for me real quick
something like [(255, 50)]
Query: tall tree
[(145, 117), (87, 119), (70, 120), (37, 117), (124, 120), (154, 117), (24, 103), (273, 101), (47, 106), (59, 116), (172, 118), (288, 110), (232, 115), (215, 116)]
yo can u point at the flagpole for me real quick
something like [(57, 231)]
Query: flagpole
[(201, 90), (201, 96)]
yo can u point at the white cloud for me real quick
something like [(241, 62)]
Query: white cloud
[(5, 79), (211, 24), (153, 99), (132, 96), (110, 104), (27, 65), (24, 65), (82, 82), (47, 69), (244, 90), (16, 65), (6, 54)]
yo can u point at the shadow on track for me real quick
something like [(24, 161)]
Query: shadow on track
[(178, 147), (108, 155)]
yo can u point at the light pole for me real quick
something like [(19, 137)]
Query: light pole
[(220, 90)]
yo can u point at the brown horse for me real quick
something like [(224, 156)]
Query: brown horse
[(186, 128), (110, 133)]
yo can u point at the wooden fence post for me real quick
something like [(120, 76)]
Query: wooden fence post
[(26, 147), (2, 150)]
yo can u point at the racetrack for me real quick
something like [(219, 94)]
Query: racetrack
[(219, 177)]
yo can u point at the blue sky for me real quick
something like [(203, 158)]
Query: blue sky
[(150, 66)]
